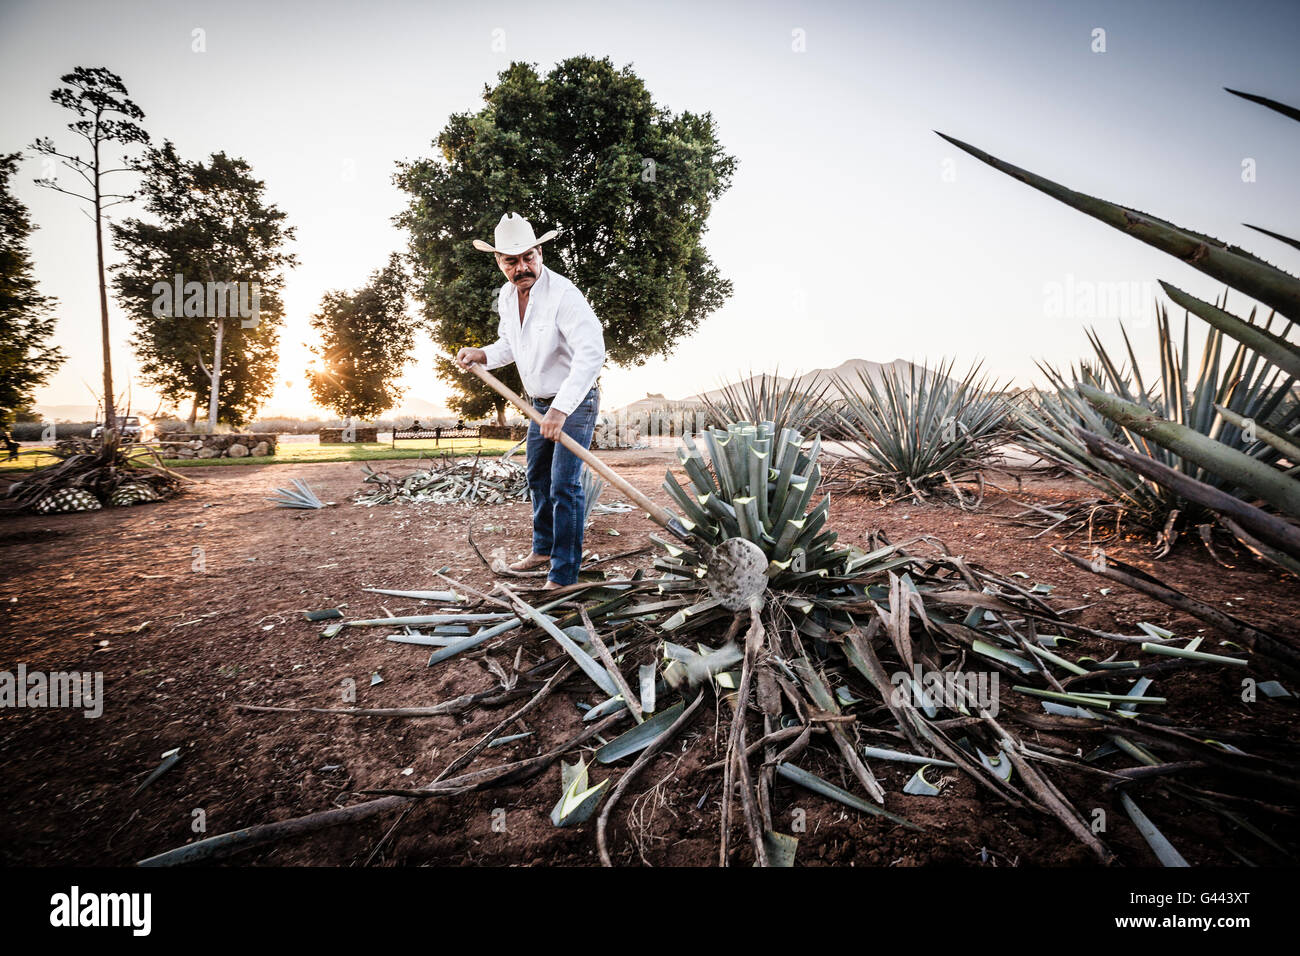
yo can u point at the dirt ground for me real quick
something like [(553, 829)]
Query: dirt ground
[(194, 605)]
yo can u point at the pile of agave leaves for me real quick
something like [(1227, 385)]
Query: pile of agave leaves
[(835, 673), (472, 480)]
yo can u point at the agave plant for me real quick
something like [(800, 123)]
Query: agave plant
[(1245, 385), (917, 429), (1247, 474), (592, 486), (757, 483), (784, 403)]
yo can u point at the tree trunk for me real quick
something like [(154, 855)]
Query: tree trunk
[(194, 410), (110, 413), (216, 376), (501, 412)]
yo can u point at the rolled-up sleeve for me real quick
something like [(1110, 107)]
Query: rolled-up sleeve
[(583, 334)]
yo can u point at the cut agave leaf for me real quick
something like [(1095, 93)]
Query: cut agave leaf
[(1170, 651), (780, 848), (919, 786), (605, 708), (999, 766), (446, 597), (880, 753), (577, 801), (697, 667), (647, 675), (845, 696), (1154, 631), (1006, 657), (1162, 848), (817, 785), (1061, 710), (641, 736), (1137, 690)]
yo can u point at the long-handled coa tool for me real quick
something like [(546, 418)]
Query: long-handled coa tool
[(736, 568)]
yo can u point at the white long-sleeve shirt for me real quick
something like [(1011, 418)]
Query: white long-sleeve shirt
[(559, 347)]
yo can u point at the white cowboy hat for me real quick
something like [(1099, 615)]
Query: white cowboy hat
[(514, 236)]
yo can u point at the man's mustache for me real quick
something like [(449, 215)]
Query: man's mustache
[(524, 275)]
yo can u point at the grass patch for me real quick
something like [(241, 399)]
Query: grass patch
[(306, 452)]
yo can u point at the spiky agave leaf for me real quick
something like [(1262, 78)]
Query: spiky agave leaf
[(592, 486), (1277, 348), (769, 398), (1229, 264), (1231, 465), (1245, 383)]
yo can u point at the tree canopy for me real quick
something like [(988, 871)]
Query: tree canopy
[(366, 338), (210, 224), (584, 150), (27, 359)]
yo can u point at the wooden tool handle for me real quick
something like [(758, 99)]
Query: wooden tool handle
[(660, 515)]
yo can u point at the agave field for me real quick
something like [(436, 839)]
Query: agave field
[(869, 653), (806, 681), (852, 659)]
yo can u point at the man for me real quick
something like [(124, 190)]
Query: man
[(555, 340)]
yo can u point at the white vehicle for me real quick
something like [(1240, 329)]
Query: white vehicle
[(130, 428)]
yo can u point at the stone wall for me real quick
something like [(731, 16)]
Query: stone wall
[(218, 446), (506, 432), (360, 433)]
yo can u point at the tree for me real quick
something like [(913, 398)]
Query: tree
[(213, 228), (366, 340), (27, 359), (584, 150), (97, 95)]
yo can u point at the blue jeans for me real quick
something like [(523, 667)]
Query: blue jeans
[(555, 483)]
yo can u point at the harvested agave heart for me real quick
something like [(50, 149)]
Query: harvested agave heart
[(132, 494), (67, 499)]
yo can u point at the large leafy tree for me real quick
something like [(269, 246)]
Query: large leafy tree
[(105, 115), (27, 359), (584, 150), (366, 338), (211, 223)]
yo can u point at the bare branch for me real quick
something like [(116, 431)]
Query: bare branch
[(50, 184)]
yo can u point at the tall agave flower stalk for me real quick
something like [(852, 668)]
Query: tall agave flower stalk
[(921, 428)]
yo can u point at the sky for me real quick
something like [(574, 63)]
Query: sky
[(851, 230)]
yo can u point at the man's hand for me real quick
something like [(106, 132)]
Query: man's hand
[(466, 357), (553, 424)]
